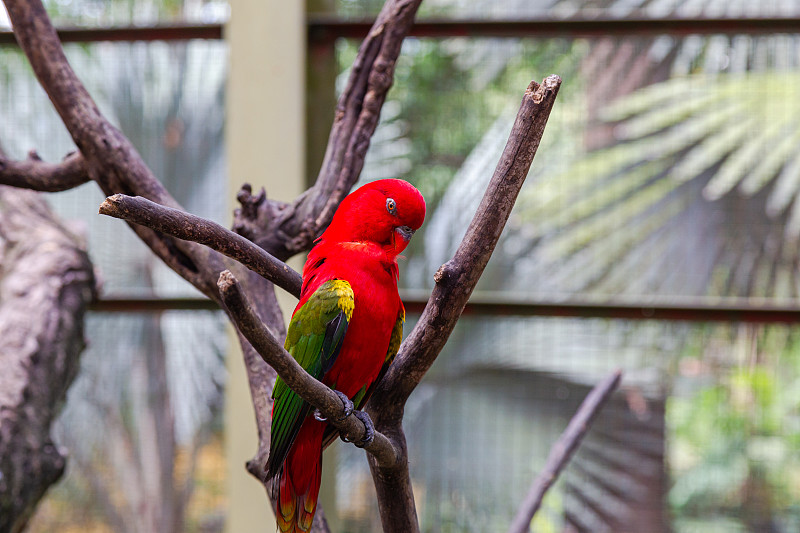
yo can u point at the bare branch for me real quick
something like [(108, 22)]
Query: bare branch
[(300, 381), (114, 164), (562, 450), (193, 228), (455, 281), (33, 173), (357, 115)]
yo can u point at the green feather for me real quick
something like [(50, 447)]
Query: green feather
[(314, 339)]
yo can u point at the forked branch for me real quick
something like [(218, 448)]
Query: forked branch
[(357, 114), (282, 230), (454, 283), (110, 160)]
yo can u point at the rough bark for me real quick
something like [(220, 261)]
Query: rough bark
[(46, 283), (38, 175)]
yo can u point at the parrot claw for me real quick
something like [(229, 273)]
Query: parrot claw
[(347, 404), (369, 434)]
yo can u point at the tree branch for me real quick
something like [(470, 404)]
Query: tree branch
[(357, 115), (455, 281), (115, 165), (295, 376), (186, 226), (33, 173), (46, 284), (562, 450)]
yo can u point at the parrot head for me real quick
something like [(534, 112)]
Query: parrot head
[(385, 212)]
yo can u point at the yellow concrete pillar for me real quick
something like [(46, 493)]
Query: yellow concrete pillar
[(265, 146)]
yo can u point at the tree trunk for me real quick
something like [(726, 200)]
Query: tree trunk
[(46, 282)]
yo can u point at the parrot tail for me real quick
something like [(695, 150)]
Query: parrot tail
[(298, 481)]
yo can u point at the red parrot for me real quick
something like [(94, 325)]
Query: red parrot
[(345, 331)]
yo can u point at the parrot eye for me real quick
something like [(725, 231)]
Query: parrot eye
[(391, 206)]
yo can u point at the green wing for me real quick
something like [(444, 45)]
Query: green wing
[(363, 395), (314, 339)]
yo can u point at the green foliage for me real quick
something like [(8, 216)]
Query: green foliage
[(449, 92), (734, 442)]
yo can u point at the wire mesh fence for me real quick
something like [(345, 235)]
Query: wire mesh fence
[(668, 175)]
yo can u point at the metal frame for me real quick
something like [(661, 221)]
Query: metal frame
[(325, 29), (695, 310), (171, 32)]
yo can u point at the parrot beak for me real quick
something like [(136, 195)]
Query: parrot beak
[(405, 233)]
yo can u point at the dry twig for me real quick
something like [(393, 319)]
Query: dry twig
[(562, 450), (286, 229), (186, 226)]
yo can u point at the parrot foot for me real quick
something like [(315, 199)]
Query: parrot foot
[(369, 435), (346, 403)]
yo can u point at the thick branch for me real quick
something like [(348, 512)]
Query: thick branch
[(46, 283), (455, 281), (562, 451), (33, 173), (186, 226), (300, 381), (357, 115)]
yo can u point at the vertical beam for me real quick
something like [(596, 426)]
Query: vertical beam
[(265, 147), (321, 71)]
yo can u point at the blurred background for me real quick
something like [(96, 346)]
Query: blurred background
[(658, 232)]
